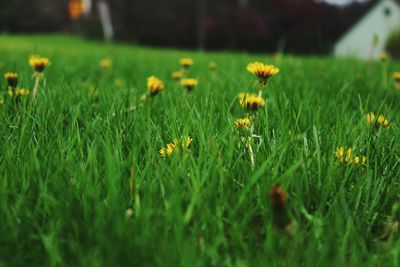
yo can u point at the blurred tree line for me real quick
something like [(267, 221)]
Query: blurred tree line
[(302, 26)]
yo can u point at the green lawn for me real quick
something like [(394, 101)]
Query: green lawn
[(77, 160)]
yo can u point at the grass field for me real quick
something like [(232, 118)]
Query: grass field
[(82, 181)]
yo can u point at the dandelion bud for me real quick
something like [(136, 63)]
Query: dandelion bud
[(12, 79)]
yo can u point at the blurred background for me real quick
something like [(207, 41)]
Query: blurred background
[(294, 26)]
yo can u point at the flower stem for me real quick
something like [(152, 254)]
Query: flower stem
[(36, 87), (251, 153), (385, 75)]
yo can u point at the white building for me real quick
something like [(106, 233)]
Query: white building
[(379, 21)]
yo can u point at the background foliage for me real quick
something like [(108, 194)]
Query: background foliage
[(301, 26)]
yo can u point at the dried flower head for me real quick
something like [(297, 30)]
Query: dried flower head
[(262, 71), (280, 213), (154, 85), (278, 196), (189, 83), (186, 62), (12, 79), (39, 63), (251, 101)]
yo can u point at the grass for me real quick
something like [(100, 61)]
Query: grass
[(73, 162)]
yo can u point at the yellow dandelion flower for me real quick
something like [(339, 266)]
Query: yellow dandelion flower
[(189, 83), (185, 142), (18, 92), (243, 123), (176, 146), (363, 160), (21, 92), (262, 71), (212, 65), (177, 75), (251, 101), (340, 153), (342, 156), (346, 156), (106, 63), (382, 121), (356, 160), (154, 85), (378, 122), (12, 79), (39, 63), (396, 76), (168, 150), (371, 118), (186, 62)]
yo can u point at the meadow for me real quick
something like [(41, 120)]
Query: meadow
[(83, 182)]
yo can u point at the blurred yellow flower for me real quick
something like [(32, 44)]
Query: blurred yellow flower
[(18, 92), (105, 63), (262, 71), (169, 150), (212, 65), (186, 62), (177, 75), (371, 118), (154, 85), (356, 160), (38, 63), (243, 123), (12, 79), (381, 121), (119, 82), (176, 146), (251, 101), (349, 157), (383, 56), (189, 83), (396, 76)]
